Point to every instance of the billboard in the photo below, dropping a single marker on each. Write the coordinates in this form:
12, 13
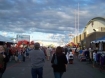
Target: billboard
23, 37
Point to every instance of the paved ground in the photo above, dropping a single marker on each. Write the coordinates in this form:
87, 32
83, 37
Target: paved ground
76, 70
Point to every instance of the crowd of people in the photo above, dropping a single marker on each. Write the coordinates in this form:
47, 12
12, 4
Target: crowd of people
37, 54
59, 57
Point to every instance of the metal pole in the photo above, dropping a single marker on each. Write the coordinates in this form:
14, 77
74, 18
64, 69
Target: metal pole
75, 24
78, 18
95, 35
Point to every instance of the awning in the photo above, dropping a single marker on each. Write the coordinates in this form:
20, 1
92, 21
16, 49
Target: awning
102, 39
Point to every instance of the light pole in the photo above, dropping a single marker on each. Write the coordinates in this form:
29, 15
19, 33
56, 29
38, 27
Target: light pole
95, 33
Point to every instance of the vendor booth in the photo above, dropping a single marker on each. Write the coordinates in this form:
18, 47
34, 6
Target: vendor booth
99, 43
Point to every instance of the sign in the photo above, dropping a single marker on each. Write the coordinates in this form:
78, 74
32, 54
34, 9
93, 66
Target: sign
23, 37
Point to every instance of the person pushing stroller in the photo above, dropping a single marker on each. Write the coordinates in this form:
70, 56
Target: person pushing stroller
71, 57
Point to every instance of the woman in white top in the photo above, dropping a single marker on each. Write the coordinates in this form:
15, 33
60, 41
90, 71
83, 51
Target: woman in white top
94, 58
48, 51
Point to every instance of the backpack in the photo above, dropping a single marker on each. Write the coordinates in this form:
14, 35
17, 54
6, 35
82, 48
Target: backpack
55, 60
1, 61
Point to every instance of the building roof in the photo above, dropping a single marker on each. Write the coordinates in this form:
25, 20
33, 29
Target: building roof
93, 19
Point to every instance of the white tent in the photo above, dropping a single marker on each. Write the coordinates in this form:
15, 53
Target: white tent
5, 39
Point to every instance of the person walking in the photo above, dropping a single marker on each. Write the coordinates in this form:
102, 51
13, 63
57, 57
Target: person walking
3, 60
37, 61
59, 62
94, 57
48, 51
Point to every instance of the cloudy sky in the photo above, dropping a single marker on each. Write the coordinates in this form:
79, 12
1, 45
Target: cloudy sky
47, 19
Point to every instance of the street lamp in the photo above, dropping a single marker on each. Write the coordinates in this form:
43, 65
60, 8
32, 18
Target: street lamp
95, 33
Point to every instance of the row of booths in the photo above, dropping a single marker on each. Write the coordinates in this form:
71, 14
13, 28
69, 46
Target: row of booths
100, 56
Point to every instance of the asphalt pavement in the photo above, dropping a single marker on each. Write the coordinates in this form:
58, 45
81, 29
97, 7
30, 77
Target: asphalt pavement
76, 70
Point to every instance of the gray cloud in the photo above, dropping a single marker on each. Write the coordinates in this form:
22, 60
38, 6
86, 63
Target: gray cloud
47, 16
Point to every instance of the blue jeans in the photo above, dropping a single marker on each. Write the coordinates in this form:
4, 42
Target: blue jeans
58, 74
37, 72
1, 75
